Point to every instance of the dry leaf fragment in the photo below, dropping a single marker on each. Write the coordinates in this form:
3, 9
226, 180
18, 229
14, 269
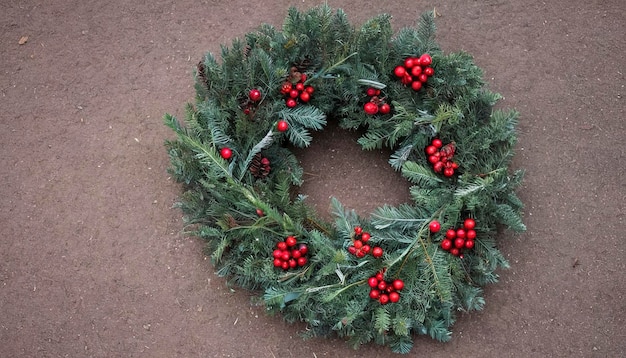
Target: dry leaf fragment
23, 40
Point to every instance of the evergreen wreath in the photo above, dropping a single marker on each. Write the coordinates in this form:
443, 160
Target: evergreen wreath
405, 270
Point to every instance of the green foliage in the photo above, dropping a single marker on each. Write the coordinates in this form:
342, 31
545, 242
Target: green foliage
242, 215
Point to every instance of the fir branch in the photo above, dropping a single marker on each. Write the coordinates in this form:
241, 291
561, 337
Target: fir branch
264, 143
299, 136
404, 217
382, 320
400, 156
509, 217
402, 345
307, 116
420, 175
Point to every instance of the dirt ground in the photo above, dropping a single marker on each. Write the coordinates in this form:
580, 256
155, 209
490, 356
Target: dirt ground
94, 261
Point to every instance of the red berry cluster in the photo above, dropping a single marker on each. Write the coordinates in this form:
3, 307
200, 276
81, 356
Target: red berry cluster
415, 71
294, 88
440, 156
287, 256
360, 248
375, 103
253, 97
460, 239
385, 291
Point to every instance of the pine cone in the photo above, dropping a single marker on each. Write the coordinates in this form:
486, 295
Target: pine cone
448, 149
260, 166
246, 51
202, 74
255, 165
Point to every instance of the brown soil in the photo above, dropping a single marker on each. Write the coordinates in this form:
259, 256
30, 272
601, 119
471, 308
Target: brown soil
94, 262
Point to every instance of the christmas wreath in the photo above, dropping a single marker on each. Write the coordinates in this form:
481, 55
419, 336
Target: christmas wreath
405, 270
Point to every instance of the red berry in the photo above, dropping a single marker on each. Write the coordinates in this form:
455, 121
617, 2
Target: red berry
303, 77
366, 248
431, 149
394, 297
422, 78
377, 252
450, 234
294, 93
434, 226
370, 108
398, 284
254, 95
372, 282
246, 111
360, 253
226, 153
399, 71
469, 223
365, 236
278, 262
426, 60
303, 249
302, 261
352, 250
409, 62
285, 265
416, 71
438, 167
469, 244
470, 234
454, 251
437, 143
282, 126
281, 246
309, 89
300, 86
285, 256
446, 244
384, 299
448, 172
358, 230
459, 243
296, 254
406, 79
460, 233
384, 108
416, 85
374, 294
371, 91
429, 71
379, 276
291, 102
277, 254
291, 241
433, 159
455, 165
260, 212
286, 88
358, 244
305, 96
293, 263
